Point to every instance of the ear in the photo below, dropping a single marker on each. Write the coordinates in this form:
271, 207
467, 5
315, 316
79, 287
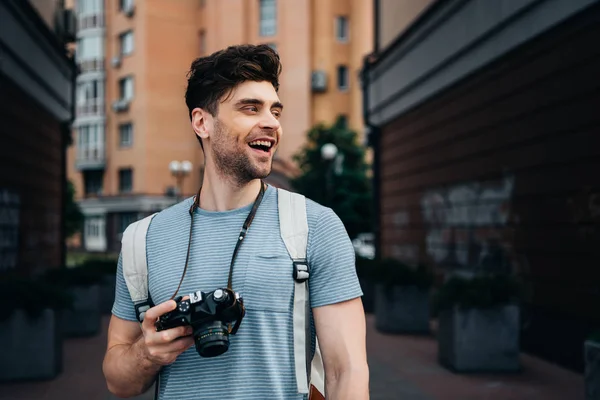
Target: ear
201, 122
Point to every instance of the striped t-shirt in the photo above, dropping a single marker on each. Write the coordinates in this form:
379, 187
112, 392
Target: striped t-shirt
260, 361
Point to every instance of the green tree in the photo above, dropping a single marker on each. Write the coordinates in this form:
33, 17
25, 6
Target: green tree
346, 190
73, 215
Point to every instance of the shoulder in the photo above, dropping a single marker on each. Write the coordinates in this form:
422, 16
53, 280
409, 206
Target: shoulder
170, 218
322, 219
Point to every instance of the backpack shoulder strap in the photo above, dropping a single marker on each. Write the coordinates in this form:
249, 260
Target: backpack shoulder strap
293, 226
135, 267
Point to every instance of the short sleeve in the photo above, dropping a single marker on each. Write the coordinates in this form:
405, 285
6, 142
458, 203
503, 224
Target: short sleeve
123, 305
331, 259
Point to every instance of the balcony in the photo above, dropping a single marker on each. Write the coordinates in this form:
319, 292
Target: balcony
90, 158
91, 108
90, 21
91, 65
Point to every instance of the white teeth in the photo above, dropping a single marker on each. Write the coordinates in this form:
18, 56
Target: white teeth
261, 143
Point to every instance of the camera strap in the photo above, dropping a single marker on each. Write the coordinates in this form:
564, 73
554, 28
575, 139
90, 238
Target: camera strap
241, 236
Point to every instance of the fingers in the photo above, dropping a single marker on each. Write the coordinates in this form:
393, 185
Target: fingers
170, 335
153, 313
167, 353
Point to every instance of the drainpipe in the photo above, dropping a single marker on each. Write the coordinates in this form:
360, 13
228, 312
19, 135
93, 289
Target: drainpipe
374, 143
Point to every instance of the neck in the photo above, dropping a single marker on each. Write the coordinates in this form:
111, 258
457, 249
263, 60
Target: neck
220, 194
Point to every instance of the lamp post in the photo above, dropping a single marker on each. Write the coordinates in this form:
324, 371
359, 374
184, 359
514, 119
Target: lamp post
330, 153
180, 169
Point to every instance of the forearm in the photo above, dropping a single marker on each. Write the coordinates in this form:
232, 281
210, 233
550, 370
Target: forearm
128, 373
350, 384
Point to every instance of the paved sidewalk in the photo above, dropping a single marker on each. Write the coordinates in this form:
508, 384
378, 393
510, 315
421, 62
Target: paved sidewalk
406, 367
402, 368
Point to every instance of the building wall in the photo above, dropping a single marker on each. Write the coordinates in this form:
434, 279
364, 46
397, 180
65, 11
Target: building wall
166, 41
168, 36
395, 16
36, 78
501, 171
47, 10
31, 183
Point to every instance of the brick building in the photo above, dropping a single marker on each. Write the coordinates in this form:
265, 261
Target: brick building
132, 121
484, 119
36, 92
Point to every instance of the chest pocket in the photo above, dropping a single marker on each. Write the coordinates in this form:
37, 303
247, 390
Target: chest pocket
269, 285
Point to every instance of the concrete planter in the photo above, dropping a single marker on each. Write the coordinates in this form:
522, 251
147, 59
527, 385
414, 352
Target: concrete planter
107, 294
402, 309
368, 298
32, 347
475, 340
592, 370
84, 319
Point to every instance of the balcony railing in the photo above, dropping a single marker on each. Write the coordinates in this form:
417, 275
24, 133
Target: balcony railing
91, 65
90, 158
93, 107
90, 21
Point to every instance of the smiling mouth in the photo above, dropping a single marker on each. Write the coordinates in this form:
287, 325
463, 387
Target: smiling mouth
261, 145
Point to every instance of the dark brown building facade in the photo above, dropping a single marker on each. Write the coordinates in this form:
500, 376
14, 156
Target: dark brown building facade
487, 149
35, 112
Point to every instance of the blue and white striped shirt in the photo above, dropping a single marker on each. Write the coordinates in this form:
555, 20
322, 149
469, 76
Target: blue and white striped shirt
260, 361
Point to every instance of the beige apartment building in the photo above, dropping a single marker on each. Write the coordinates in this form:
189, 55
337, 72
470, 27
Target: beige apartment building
131, 118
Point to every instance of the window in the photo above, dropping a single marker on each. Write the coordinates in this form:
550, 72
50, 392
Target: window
92, 181
125, 135
268, 17
125, 180
126, 219
125, 5
342, 121
90, 97
202, 37
126, 88
90, 48
89, 7
94, 227
90, 142
342, 77
341, 29
126, 41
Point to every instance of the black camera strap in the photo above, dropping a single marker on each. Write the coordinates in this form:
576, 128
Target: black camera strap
242, 235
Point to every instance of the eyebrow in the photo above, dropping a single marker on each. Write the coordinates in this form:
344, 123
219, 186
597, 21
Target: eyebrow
258, 102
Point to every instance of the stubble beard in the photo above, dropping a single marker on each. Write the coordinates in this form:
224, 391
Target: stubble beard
231, 162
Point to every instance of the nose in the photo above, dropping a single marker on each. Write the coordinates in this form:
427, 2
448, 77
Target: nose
269, 121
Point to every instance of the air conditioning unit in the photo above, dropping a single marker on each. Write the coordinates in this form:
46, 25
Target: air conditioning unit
129, 9
120, 105
319, 81
116, 62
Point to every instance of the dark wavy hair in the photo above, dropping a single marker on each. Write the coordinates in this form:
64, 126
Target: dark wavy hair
213, 77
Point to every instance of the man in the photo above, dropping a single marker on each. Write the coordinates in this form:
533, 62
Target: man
235, 113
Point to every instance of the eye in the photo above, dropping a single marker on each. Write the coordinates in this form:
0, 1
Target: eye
251, 109
276, 113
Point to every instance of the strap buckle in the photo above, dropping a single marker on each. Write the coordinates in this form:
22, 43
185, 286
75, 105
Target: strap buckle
141, 308
301, 270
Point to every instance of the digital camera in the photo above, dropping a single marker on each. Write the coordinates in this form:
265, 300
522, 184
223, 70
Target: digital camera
210, 314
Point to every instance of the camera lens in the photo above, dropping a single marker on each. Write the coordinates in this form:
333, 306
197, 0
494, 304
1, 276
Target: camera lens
212, 339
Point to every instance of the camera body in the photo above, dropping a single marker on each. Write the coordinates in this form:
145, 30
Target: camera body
210, 314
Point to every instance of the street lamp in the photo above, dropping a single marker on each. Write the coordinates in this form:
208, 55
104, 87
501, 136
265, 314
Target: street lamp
330, 153
180, 169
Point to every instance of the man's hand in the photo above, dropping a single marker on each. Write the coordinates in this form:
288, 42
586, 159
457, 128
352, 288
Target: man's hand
135, 353
163, 348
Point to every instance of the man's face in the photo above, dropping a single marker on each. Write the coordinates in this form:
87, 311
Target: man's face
246, 132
